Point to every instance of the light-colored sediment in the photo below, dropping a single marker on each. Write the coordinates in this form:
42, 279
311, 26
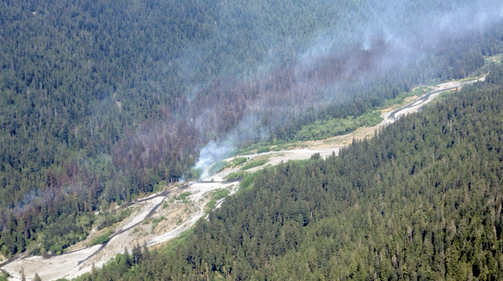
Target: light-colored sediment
174, 217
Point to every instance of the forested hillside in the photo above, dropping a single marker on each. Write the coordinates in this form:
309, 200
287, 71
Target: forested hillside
422, 199
104, 100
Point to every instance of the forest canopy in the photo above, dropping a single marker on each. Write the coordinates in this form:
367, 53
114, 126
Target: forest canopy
420, 200
104, 100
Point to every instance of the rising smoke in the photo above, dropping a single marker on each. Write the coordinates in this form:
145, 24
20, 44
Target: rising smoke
392, 34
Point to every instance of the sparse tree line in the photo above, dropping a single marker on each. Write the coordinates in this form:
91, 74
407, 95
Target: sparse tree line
420, 200
103, 100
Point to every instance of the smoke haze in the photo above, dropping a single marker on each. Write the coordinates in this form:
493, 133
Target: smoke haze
375, 39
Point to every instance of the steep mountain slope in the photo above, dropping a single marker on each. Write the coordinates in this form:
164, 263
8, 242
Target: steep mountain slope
422, 199
103, 100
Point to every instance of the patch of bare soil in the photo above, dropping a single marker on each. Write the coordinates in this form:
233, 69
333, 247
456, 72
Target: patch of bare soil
159, 218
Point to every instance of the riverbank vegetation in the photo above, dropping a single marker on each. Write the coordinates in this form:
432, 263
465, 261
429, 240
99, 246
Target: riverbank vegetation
422, 199
104, 100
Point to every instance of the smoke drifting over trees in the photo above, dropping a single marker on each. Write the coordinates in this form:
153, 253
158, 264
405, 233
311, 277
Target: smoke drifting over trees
394, 44
421, 200
104, 99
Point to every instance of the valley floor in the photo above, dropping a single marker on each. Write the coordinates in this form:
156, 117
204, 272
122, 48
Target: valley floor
163, 216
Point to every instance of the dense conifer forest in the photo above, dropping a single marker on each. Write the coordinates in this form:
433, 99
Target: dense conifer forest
103, 101
420, 200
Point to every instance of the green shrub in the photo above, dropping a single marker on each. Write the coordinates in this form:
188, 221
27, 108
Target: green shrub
103, 238
263, 149
210, 205
183, 196
4, 276
255, 163
247, 180
236, 175
215, 196
195, 173
329, 128
56, 249
108, 219
220, 193
238, 161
